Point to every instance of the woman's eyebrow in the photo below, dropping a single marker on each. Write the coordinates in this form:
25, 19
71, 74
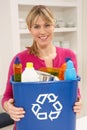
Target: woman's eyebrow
36, 24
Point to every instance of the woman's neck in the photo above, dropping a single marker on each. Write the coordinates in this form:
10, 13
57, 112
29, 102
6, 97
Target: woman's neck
48, 54
49, 51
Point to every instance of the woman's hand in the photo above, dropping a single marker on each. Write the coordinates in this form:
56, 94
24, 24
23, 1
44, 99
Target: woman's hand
16, 113
78, 105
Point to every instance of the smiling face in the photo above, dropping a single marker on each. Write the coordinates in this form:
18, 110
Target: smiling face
40, 22
42, 32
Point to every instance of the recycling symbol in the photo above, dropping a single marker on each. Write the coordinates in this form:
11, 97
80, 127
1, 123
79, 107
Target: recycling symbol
52, 115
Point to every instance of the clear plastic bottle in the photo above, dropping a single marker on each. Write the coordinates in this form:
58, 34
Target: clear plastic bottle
29, 74
70, 72
17, 70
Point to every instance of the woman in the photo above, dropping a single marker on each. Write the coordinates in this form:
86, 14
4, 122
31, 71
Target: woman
42, 53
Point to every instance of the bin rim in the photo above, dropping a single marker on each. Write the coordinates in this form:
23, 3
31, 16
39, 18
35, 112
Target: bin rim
44, 82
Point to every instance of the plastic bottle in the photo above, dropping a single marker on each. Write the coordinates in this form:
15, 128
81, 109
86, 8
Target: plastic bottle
52, 71
29, 74
62, 71
70, 72
17, 70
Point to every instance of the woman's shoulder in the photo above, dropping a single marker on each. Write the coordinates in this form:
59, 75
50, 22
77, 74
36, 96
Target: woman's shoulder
24, 52
21, 55
62, 50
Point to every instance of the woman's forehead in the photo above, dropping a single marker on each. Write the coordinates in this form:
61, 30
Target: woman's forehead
39, 19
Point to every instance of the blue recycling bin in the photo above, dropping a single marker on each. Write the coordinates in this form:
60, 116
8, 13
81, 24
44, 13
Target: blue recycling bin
48, 105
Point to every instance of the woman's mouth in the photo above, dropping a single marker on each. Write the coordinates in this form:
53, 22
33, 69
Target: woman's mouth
43, 38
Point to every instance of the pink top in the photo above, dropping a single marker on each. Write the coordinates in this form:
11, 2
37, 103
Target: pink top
24, 56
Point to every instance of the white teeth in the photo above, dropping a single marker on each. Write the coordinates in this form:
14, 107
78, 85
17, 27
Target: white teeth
43, 38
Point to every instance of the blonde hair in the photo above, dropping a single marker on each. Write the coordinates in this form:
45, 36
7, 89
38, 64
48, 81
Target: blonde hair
35, 12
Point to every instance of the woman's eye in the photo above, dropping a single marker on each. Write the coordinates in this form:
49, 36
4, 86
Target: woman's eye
47, 25
36, 26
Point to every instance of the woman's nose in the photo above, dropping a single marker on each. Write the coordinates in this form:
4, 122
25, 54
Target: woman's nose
42, 30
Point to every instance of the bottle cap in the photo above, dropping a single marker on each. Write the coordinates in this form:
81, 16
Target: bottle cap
67, 59
29, 64
17, 60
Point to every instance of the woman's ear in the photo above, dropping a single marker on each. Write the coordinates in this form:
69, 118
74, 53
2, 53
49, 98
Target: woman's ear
54, 25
